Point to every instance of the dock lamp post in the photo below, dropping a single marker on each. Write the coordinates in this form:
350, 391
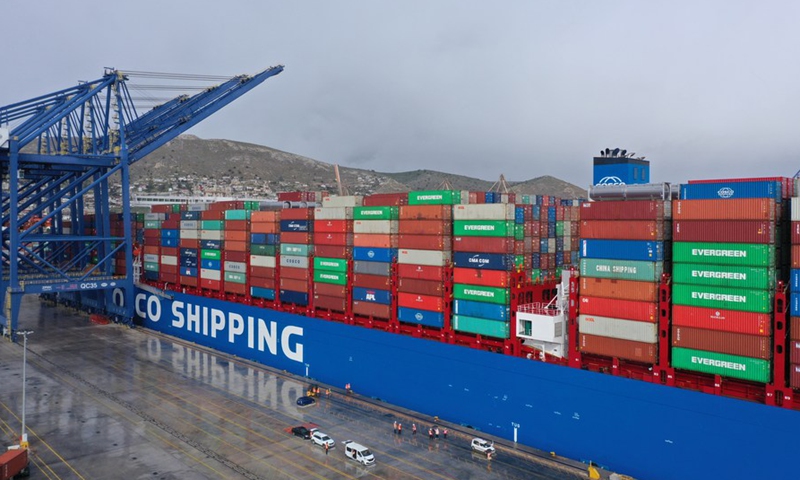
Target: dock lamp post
24, 438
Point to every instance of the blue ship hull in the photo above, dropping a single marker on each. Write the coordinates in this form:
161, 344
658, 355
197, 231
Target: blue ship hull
629, 426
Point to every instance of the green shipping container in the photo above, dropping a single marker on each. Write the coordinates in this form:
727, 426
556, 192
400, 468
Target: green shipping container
152, 224
210, 254
375, 213
267, 250
560, 229
434, 197
151, 266
519, 231
252, 205
536, 275
330, 264
237, 214
483, 228
324, 276
519, 261
212, 224
622, 269
724, 298
481, 294
481, 326
759, 278
297, 249
734, 366
235, 277
176, 208
743, 254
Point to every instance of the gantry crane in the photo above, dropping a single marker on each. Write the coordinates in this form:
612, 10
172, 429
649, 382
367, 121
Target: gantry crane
57, 148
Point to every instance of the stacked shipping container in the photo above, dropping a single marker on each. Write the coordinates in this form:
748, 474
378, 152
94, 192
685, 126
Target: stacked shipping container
189, 248
264, 241
794, 281
296, 250
333, 248
376, 231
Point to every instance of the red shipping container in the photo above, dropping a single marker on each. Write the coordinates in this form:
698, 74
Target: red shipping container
730, 231
330, 290
171, 224
262, 282
241, 225
295, 274
337, 239
614, 347
294, 285
236, 235
171, 251
161, 208
426, 212
424, 242
333, 226
237, 246
624, 210
152, 250
212, 215
385, 199
794, 376
374, 240
424, 227
333, 251
265, 227
370, 309
235, 256
422, 272
290, 196
794, 352
189, 243
730, 209
297, 214
168, 277
270, 216
794, 328
624, 230
330, 303
188, 281
421, 287
263, 272
559, 213
303, 238
753, 346
152, 233
237, 288
167, 269
619, 289
422, 302
477, 276
483, 244
722, 320
616, 308
795, 233
375, 282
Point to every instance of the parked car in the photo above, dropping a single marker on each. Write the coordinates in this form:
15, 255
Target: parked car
483, 446
306, 401
301, 432
321, 439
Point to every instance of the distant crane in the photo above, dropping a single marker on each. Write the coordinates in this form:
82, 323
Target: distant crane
57, 148
342, 187
500, 185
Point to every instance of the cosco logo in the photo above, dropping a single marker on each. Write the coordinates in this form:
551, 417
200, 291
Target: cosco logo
418, 316
725, 192
611, 181
371, 253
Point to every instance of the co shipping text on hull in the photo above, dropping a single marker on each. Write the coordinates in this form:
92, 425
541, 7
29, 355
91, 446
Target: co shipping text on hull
638, 428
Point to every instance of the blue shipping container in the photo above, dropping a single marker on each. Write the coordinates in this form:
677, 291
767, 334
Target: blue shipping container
519, 215
795, 301
190, 215
489, 197
370, 254
536, 260
189, 252
170, 233
543, 245
186, 271
705, 191
794, 280
211, 264
295, 225
420, 317
492, 311
488, 261
638, 250
149, 275
170, 242
211, 244
297, 298
362, 294
268, 293
258, 238
189, 262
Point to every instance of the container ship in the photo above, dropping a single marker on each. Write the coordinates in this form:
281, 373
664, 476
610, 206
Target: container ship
652, 329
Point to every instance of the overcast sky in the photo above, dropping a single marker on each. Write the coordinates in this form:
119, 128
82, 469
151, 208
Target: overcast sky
703, 89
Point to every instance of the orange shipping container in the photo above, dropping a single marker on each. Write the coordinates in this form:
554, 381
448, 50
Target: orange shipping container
794, 329
624, 230
484, 244
295, 274
620, 289
262, 282
422, 287
188, 281
236, 235
293, 284
424, 227
210, 284
262, 272
376, 282
190, 243
723, 320
424, 242
371, 309
236, 246
303, 238
753, 346
237, 288
333, 251
269, 216
236, 225
615, 308
152, 250
795, 256
478, 276
730, 209
333, 226
330, 290
374, 240
326, 302
337, 239
265, 227
426, 212
613, 347
423, 272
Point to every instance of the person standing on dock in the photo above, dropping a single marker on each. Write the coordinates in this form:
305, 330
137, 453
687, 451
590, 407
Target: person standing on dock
413, 429
399, 428
445, 434
394, 430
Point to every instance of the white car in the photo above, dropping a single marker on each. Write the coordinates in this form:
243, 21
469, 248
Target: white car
321, 439
483, 446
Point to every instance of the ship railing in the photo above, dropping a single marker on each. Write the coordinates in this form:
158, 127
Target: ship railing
538, 308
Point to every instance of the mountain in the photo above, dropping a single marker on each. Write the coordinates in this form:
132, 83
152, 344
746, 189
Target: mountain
190, 165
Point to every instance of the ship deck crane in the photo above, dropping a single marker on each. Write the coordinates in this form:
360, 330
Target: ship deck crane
57, 154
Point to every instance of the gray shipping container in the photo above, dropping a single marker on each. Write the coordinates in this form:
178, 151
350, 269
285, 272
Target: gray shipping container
237, 267
294, 261
618, 328
372, 268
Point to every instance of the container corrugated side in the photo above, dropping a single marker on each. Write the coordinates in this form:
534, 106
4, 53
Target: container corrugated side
491, 311
618, 328
626, 210
372, 268
732, 190
434, 197
294, 261
616, 308
614, 347
728, 231
744, 254
622, 269
485, 211
620, 289
742, 344
481, 326
726, 365
375, 213
758, 278
483, 228
385, 227
480, 293
638, 250
795, 208
423, 257
722, 320
625, 230
420, 317
325, 276
296, 249
333, 213
342, 201
733, 209
746, 300
422, 287
330, 264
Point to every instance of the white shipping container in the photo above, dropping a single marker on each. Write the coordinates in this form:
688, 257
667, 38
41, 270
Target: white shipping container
618, 328
189, 225
796, 208
385, 227
343, 201
262, 261
195, 234
551, 245
209, 274
434, 258
169, 260
155, 216
464, 199
149, 257
211, 234
333, 213
294, 261
237, 267
198, 207
484, 211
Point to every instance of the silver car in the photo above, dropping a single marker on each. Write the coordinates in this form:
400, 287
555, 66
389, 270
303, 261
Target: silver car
322, 439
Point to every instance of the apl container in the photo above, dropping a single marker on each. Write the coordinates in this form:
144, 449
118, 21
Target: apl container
726, 365
744, 254
372, 295
637, 250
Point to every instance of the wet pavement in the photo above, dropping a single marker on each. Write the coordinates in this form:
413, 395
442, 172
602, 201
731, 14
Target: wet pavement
106, 401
